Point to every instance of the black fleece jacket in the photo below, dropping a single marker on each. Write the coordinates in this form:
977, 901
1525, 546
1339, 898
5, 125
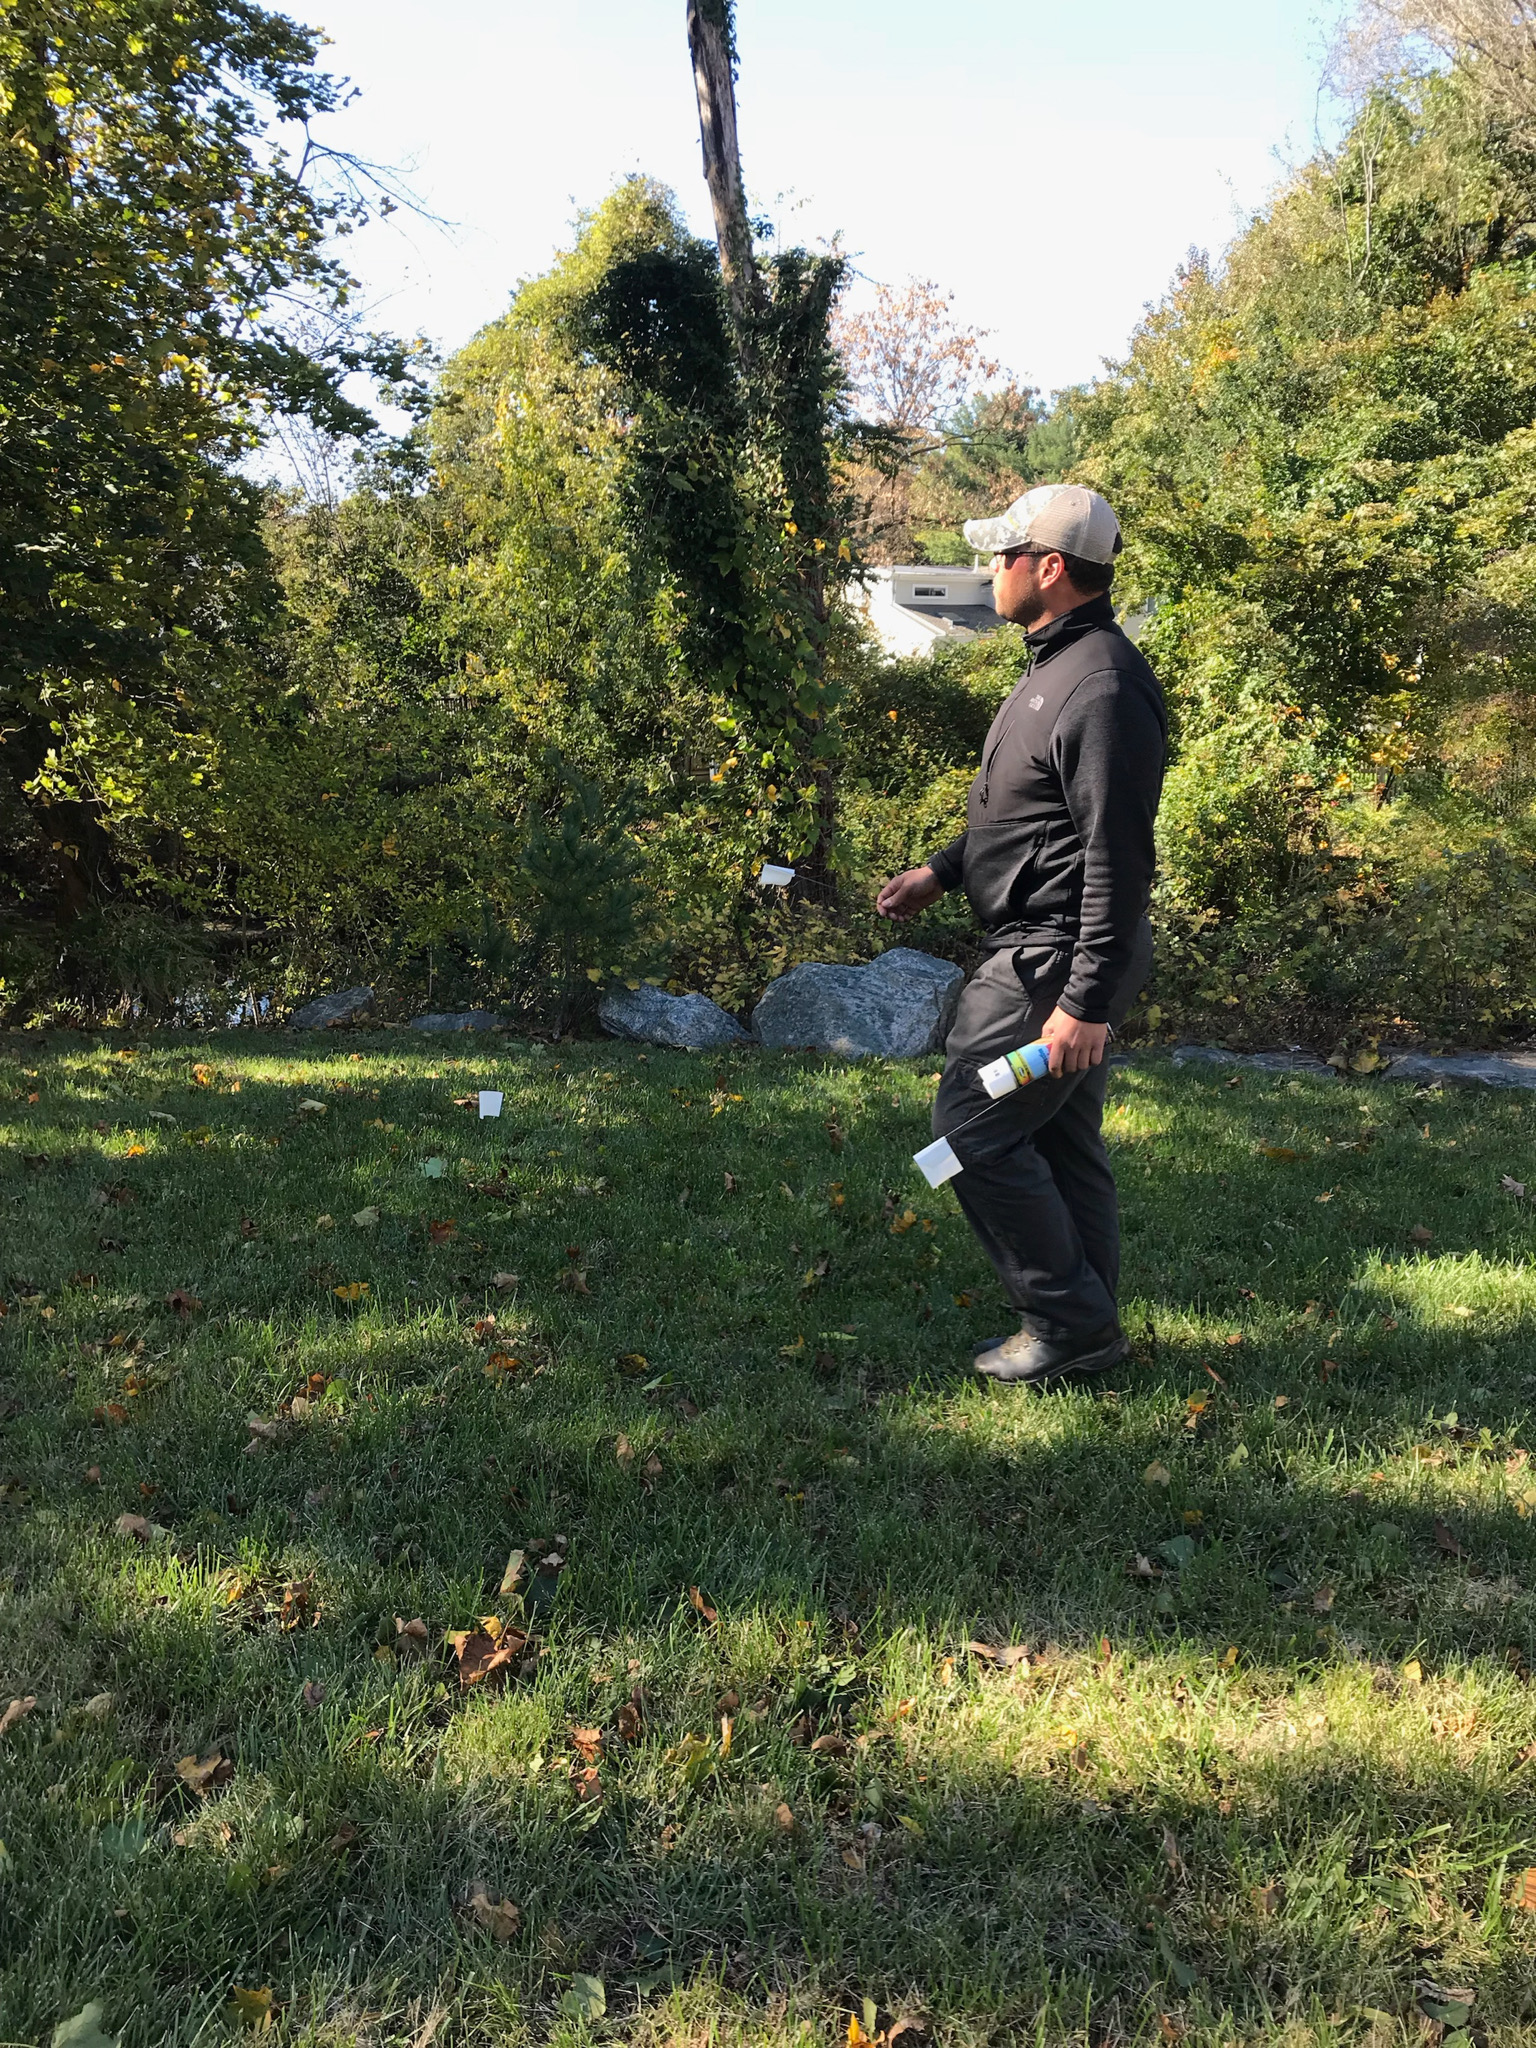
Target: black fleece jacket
1058, 839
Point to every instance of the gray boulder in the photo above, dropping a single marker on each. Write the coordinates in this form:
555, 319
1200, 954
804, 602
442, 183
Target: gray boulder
651, 1017
896, 1008
457, 1020
1493, 1070
1294, 1061
328, 1011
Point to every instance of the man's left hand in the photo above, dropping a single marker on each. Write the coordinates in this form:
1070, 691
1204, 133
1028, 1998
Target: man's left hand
1075, 1046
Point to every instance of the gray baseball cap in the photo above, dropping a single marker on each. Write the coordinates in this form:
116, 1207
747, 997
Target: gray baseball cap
1064, 516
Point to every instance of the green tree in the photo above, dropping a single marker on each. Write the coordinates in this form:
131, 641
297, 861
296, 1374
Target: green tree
151, 234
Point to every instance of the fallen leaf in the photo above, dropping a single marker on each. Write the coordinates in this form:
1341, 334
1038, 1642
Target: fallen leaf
346, 1834
136, 1152
573, 1281
133, 1525
709, 1613
1278, 1152
350, 1290
365, 1219
503, 1281
1413, 1672
1445, 1541
853, 1859
1525, 1891
588, 1743
1156, 1474
18, 1710
629, 1721
731, 1183
84, 2030
251, 2008
624, 1451
485, 1659
92, 1475
501, 1920
1266, 1899
501, 1364
200, 1776
783, 1813
1322, 1600
587, 1998
1142, 1567
511, 1575
99, 1706
313, 1694
411, 1637
1004, 1658
309, 1107
1512, 1187
1282, 1401
1171, 1856
1419, 1235
443, 1232
434, 1169
650, 1472
181, 1301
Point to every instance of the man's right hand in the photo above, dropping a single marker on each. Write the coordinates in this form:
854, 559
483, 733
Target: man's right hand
905, 895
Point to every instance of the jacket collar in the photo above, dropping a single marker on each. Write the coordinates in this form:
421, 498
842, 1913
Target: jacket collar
1069, 626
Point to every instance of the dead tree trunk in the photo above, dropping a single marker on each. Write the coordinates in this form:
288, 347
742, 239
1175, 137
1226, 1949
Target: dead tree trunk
709, 45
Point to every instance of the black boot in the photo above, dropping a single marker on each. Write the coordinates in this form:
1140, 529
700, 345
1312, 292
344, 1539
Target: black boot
1030, 1360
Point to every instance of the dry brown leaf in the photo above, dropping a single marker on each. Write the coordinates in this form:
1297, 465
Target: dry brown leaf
18, 1710
1445, 1541
1512, 1187
1419, 1235
411, 1637
650, 1472
442, 1232
630, 1722
133, 1525
483, 1658
1005, 1658
1156, 1474
346, 1834
624, 1451
587, 1784
1322, 1600
574, 1280
588, 1743
709, 1613
853, 1859
499, 1917
1266, 1899
314, 1694
783, 1813
503, 1282
829, 1745
1142, 1567
201, 1776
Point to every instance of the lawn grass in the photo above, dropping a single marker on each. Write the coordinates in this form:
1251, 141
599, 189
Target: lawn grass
1258, 1777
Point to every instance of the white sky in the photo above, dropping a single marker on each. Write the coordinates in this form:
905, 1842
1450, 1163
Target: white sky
1049, 162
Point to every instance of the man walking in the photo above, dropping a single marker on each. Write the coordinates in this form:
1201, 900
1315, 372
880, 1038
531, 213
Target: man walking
1057, 860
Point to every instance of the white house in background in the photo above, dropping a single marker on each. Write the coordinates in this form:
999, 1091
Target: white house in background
909, 609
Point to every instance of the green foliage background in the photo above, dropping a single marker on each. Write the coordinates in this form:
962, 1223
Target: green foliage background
595, 601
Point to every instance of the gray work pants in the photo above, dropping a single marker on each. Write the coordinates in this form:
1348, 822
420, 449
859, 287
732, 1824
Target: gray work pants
1036, 1186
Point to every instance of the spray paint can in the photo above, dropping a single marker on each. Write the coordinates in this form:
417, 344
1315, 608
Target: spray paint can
1016, 1069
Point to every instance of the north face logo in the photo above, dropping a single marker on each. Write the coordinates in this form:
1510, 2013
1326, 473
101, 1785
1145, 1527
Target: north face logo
1035, 703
